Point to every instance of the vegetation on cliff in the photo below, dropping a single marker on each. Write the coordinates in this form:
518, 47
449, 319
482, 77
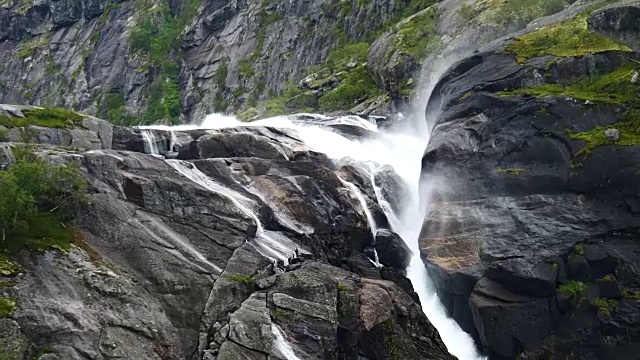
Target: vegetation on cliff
36, 200
55, 118
568, 38
518, 12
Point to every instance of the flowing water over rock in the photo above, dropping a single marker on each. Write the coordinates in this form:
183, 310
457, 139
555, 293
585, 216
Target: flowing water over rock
373, 151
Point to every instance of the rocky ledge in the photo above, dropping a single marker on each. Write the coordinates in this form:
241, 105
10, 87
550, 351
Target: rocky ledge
534, 162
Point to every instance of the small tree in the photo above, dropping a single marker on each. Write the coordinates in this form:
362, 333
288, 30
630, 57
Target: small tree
36, 198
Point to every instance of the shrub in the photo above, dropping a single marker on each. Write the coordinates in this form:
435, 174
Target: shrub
36, 199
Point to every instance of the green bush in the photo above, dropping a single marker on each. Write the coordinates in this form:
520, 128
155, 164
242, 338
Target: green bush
36, 199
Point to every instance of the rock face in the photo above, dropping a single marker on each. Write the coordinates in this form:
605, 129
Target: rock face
186, 259
96, 56
525, 229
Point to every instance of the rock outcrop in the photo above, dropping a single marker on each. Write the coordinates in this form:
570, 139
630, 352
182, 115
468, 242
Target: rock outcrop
242, 251
532, 201
154, 60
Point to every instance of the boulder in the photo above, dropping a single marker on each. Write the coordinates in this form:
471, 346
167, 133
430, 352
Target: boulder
392, 250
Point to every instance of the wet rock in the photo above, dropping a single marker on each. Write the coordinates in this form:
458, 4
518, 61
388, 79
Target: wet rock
501, 178
609, 287
250, 326
392, 250
508, 323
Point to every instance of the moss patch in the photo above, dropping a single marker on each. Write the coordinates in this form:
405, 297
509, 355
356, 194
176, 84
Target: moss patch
7, 267
604, 306
55, 118
614, 87
7, 306
573, 287
245, 279
511, 171
568, 38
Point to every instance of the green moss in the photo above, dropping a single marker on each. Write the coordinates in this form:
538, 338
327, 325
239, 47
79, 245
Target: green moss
568, 38
245, 279
342, 287
604, 306
613, 87
7, 306
56, 118
511, 171
629, 130
7, 267
573, 287
578, 249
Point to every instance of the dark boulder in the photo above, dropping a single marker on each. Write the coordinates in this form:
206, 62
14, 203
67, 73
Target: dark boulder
392, 251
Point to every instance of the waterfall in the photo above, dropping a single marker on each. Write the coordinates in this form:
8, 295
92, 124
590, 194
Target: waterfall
150, 144
372, 222
281, 344
401, 148
264, 242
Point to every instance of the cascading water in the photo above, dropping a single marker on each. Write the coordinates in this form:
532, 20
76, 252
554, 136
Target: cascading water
401, 148
372, 222
274, 249
282, 345
150, 144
